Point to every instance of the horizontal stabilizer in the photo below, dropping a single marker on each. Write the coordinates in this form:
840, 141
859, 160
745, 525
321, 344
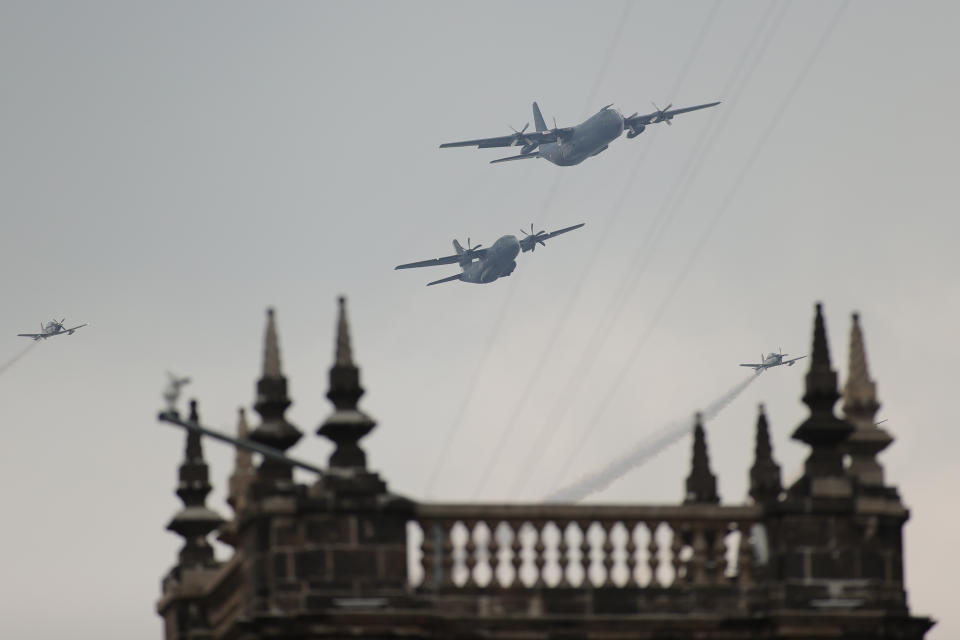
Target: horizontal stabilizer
522, 156
450, 279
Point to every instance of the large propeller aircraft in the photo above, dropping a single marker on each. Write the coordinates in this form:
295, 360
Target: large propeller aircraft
480, 265
567, 146
53, 328
772, 360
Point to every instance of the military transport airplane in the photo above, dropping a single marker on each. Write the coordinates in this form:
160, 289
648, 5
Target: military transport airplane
772, 360
52, 328
567, 146
486, 265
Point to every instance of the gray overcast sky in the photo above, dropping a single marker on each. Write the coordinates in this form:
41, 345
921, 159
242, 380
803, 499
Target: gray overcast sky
168, 170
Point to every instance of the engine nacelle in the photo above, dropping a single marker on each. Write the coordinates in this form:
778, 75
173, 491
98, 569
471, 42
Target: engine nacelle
635, 131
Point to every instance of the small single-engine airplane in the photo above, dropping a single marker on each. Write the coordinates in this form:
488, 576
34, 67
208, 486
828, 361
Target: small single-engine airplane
486, 265
772, 360
52, 328
567, 146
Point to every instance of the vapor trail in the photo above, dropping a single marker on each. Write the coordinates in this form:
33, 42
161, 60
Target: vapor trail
644, 450
762, 36
472, 387
785, 103
12, 361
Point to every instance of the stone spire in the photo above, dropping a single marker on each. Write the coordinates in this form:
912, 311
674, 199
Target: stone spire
344, 354
194, 521
271, 403
860, 408
822, 431
243, 469
347, 425
701, 483
765, 484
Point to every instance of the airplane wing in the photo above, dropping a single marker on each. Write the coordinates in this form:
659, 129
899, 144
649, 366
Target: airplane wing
659, 116
459, 276
531, 240
755, 366
792, 360
559, 231
72, 329
531, 138
473, 253
32, 335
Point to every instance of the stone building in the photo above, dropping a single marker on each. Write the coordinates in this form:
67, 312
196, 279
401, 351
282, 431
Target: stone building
345, 557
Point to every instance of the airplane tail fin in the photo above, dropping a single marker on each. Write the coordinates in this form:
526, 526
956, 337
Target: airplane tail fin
538, 118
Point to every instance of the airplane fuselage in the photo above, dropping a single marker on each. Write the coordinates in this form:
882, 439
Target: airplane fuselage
499, 261
589, 138
773, 360
479, 265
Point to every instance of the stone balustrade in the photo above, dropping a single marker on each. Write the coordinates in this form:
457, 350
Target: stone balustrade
561, 546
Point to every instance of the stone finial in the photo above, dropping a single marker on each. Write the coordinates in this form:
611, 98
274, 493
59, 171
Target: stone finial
860, 393
271, 403
701, 483
821, 378
271, 349
822, 431
243, 469
860, 407
194, 521
345, 390
765, 484
343, 356
347, 425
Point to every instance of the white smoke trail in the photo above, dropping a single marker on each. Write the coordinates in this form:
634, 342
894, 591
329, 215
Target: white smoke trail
12, 361
644, 450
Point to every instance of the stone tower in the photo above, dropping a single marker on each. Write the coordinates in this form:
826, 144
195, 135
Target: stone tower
829, 550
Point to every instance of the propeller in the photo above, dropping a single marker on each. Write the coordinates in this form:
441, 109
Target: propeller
530, 240
519, 138
559, 140
660, 112
471, 248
